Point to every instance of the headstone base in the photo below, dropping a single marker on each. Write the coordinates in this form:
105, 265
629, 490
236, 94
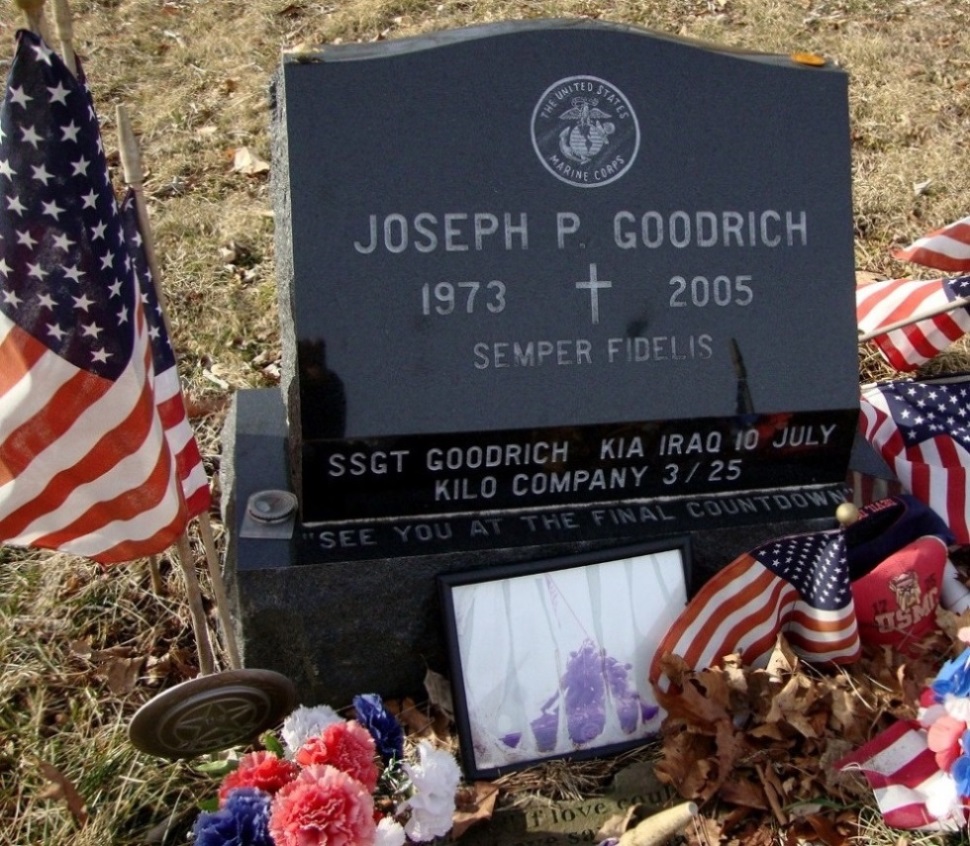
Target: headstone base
358, 622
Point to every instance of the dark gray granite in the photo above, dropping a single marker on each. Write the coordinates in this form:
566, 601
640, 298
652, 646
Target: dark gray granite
546, 288
342, 627
555, 262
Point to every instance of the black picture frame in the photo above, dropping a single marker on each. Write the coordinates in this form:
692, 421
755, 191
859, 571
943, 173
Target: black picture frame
549, 659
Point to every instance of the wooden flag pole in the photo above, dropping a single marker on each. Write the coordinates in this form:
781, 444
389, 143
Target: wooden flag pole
34, 11
158, 586
199, 624
64, 28
131, 164
134, 179
915, 318
219, 589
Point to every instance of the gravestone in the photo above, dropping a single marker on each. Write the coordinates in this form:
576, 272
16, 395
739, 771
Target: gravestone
545, 287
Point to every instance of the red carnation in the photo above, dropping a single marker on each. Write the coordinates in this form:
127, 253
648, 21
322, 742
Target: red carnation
348, 746
323, 807
262, 770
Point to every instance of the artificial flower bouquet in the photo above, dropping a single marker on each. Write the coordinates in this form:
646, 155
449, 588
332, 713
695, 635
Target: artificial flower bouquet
919, 769
334, 782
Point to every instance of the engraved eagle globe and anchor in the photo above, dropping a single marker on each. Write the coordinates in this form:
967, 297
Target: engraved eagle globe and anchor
585, 131
587, 134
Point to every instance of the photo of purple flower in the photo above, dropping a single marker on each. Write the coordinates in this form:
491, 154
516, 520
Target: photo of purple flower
554, 661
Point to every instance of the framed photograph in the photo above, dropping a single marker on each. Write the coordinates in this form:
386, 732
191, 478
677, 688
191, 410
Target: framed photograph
549, 659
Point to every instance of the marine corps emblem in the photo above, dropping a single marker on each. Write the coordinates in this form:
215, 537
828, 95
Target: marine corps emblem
585, 132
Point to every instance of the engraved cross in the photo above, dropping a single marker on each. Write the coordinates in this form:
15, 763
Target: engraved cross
593, 285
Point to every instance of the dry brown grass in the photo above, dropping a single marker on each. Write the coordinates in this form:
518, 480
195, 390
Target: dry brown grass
195, 77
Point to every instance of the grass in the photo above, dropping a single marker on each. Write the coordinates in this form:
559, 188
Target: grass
195, 76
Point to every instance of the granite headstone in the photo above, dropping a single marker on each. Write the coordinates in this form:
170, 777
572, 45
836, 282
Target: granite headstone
545, 286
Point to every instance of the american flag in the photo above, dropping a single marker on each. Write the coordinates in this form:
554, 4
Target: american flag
945, 249
796, 585
887, 302
906, 780
922, 431
85, 466
167, 388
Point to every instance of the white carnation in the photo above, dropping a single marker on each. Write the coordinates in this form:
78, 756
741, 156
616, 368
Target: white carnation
304, 723
435, 779
389, 833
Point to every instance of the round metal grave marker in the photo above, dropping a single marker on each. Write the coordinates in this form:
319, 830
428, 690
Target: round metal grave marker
211, 713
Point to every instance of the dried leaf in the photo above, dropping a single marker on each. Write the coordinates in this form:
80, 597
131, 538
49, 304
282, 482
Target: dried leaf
62, 788
439, 693
245, 161
705, 831
743, 792
474, 805
121, 674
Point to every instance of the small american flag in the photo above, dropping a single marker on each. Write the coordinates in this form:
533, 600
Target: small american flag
85, 466
885, 303
168, 388
797, 585
922, 431
945, 249
906, 780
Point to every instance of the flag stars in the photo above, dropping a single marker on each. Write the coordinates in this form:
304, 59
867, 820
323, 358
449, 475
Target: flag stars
45, 301
97, 232
123, 315
70, 132
114, 289
24, 237
4, 267
90, 200
55, 332
106, 261
19, 96
82, 302
100, 356
42, 52
30, 136
58, 94
36, 271
80, 167
62, 242
74, 273
11, 298
41, 174
14, 205
91, 330
6, 169
51, 208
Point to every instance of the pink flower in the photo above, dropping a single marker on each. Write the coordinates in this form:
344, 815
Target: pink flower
348, 746
323, 807
262, 770
943, 739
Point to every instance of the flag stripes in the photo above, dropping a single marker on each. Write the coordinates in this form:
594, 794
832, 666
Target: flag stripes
945, 249
890, 301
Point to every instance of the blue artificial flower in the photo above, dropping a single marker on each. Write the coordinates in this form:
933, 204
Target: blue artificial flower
383, 727
961, 774
953, 678
242, 821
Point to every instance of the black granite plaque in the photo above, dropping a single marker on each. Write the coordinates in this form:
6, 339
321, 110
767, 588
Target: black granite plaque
540, 264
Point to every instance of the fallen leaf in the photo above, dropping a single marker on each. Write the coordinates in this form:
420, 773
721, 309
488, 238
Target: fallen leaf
245, 161
921, 188
474, 805
62, 788
439, 693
